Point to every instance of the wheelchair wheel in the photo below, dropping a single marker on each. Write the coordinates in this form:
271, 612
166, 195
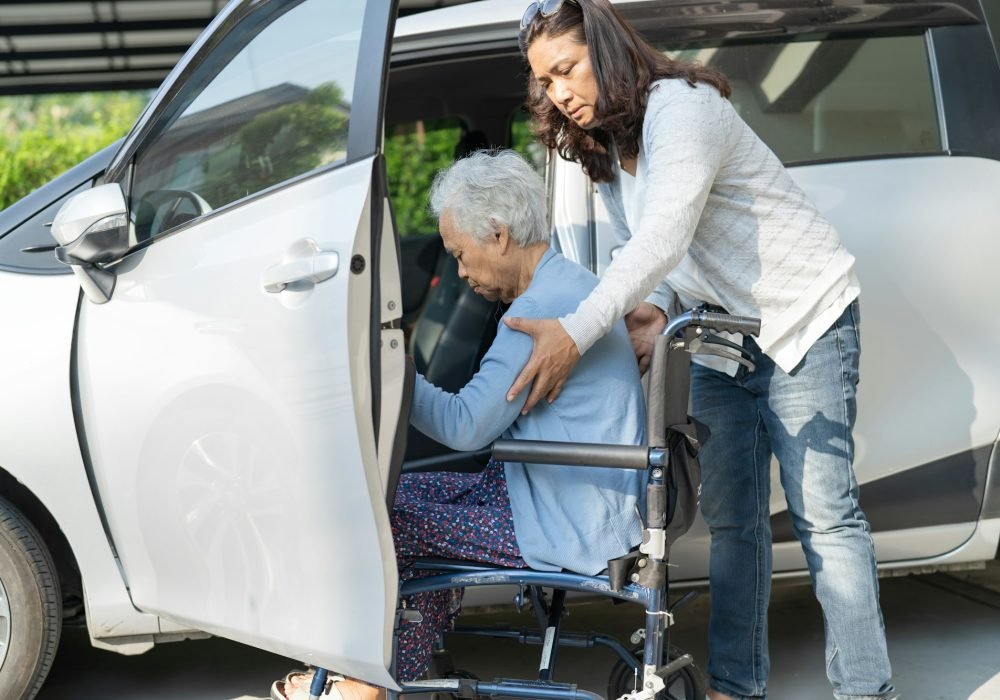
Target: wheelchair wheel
689, 683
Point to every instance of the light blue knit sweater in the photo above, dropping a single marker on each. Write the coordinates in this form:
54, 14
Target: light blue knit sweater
564, 517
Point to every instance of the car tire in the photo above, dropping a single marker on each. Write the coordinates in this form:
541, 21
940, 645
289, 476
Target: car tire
30, 607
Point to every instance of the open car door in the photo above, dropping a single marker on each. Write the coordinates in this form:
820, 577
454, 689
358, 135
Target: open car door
227, 359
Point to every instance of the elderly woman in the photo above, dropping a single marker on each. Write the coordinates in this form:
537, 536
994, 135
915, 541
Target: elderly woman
491, 213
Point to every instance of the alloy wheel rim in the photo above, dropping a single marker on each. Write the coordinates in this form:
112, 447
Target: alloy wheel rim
4, 623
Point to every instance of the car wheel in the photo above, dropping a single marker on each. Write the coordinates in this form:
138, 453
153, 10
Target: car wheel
30, 607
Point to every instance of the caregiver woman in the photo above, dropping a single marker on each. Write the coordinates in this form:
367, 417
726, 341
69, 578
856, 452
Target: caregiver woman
712, 217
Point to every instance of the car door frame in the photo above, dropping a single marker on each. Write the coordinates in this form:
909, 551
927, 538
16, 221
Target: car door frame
363, 142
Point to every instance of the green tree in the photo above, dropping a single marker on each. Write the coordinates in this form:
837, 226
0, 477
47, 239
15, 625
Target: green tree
43, 136
525, 143
414, 153
279, 144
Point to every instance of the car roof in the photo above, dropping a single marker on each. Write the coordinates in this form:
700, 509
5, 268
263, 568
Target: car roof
490, 23
471, 14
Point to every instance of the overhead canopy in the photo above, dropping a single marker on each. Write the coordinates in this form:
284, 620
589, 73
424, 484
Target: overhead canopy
49, 46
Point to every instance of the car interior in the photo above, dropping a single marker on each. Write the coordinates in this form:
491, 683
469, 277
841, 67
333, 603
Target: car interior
448, 328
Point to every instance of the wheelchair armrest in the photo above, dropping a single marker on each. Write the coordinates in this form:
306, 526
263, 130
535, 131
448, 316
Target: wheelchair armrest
574, 454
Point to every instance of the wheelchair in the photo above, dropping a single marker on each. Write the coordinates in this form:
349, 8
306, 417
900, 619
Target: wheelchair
655, 671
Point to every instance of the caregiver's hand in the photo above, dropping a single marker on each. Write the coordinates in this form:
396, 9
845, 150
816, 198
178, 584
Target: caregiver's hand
552, 358
644, 323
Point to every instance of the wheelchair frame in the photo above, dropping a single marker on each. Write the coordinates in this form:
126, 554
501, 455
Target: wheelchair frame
637, 578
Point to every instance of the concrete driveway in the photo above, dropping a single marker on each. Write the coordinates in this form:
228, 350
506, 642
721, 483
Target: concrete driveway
944, 641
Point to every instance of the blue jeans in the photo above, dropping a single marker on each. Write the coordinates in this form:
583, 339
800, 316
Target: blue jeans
805, 418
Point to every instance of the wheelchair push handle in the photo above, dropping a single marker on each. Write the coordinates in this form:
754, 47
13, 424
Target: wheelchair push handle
731, 324
713, 321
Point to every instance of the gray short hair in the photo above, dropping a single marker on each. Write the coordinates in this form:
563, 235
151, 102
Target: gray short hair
488, 189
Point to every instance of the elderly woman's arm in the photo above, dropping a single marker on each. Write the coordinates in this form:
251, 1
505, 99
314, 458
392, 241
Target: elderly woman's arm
480, 412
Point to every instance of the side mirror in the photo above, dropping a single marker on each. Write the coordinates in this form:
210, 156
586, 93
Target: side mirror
92, 231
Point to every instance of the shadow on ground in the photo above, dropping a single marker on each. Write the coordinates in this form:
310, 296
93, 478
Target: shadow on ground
944, 637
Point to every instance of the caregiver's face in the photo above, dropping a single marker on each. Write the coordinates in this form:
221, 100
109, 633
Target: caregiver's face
561, 65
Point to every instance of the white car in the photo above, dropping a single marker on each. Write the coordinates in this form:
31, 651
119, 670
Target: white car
201, 421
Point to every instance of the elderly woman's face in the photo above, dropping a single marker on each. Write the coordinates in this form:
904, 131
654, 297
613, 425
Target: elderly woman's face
561, 65
485, 265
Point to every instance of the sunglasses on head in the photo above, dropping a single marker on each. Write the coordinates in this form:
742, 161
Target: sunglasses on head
546, 8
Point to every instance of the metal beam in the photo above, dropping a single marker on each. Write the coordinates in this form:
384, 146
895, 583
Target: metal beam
98, 27
33, 3
163, 68
172, 50
87, 86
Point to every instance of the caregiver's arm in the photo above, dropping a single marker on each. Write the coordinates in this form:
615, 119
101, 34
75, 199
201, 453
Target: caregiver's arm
687, 135
479, 413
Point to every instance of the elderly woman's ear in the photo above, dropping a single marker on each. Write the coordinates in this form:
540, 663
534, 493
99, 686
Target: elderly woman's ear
503, 239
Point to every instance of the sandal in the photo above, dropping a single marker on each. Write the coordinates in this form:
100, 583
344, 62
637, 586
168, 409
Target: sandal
301, 689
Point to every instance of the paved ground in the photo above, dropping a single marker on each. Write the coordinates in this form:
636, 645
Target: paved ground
944, 640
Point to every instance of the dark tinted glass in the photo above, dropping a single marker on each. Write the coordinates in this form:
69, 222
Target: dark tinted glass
833, 98
992, 10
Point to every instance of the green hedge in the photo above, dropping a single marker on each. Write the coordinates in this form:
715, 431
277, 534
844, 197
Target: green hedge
44, 136
415, 152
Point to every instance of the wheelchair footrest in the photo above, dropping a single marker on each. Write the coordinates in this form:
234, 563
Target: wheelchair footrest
501, 687
675, 666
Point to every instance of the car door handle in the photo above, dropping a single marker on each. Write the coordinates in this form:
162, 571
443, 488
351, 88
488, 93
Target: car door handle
314, 267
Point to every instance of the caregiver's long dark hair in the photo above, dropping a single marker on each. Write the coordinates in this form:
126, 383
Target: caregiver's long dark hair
624, 65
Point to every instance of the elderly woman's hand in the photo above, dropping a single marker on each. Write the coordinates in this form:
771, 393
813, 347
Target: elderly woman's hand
552, 358
644, 323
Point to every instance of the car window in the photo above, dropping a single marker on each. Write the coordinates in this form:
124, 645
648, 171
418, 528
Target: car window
992, 10
414, 153
270, 103
833, 98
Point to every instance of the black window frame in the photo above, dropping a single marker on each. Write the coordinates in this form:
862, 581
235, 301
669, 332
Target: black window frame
969, 81
991, 15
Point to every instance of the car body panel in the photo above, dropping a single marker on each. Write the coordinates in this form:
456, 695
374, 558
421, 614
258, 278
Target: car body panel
221, 427
38, 439
913, 241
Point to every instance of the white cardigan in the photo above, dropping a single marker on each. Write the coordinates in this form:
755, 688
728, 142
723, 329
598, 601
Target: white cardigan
716, 192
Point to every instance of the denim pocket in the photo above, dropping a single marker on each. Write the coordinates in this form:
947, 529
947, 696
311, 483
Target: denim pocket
854, 313
849, 342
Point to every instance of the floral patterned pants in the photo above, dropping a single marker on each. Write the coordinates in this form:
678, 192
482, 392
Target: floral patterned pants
452, 516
